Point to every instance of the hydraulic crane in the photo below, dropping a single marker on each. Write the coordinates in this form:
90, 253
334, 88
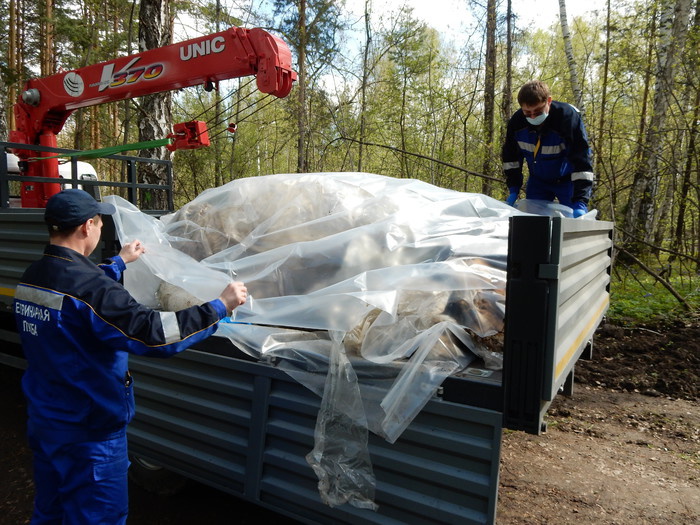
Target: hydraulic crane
46, 103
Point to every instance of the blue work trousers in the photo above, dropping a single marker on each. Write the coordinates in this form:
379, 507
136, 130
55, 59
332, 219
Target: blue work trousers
81, 483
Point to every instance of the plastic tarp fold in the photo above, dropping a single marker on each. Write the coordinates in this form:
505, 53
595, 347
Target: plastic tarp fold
369, 290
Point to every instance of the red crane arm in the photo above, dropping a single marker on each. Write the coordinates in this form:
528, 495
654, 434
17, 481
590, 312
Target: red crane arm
47, 102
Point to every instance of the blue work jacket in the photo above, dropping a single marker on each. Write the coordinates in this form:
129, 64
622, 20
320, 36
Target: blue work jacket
556, 151
77, 325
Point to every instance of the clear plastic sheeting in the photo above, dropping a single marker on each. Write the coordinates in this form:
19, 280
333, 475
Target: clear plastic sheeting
368, 290
552, 209
340, 457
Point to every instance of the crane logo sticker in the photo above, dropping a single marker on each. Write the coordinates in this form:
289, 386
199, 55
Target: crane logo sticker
73, 84
130, 74
205, 47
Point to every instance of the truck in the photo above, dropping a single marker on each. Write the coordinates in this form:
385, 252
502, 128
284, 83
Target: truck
242, 425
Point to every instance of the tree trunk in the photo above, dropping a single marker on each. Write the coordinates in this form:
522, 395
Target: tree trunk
302, 162
598, 142
688, 172
635, 196
571, 60
3, 110
508, 89
673, 27
365, 79
47, 52
489, 95
126, 125
155, 115
12, 57
217, 145
403, 160
691, 154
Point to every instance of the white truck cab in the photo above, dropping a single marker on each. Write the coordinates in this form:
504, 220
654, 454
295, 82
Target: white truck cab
85, 172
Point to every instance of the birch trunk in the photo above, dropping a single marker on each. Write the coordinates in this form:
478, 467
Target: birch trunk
673, 27
489, 95
155, 111
365, 80
570, 59
302, 162
691, 155
598, 143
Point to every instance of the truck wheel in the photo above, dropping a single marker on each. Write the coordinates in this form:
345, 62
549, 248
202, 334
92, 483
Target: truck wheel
154, 478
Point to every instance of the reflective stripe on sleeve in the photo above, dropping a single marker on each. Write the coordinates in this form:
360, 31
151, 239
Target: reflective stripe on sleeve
511, 165
171, 328
582, 175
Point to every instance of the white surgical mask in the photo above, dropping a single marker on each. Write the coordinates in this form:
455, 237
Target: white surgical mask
539, 119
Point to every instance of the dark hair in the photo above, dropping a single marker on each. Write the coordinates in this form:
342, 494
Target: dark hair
533, 93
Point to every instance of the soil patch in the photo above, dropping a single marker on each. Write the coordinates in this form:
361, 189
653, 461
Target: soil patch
625, 448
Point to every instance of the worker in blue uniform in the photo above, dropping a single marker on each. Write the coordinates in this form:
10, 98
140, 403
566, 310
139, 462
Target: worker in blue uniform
551, 138
77, 325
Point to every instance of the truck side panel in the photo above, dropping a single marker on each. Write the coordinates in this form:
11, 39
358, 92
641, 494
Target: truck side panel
246, 428
556, 295
23, 236
583, 254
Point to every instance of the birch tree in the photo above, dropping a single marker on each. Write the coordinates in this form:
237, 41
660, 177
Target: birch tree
603, 100
641, 218
571, 59
488, 167
309, 27
685, 201
364, 82
154, 111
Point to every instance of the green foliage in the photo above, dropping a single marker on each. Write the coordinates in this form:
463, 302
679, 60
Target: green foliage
207, 13
323, 22
638, 298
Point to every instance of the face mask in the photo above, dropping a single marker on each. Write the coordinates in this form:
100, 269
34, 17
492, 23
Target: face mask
539, 119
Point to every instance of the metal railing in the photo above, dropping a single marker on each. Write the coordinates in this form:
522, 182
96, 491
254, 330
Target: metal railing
131, 186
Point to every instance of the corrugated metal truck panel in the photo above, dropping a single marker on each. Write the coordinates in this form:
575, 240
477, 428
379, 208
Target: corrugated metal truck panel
556, 295
581, 297
248, 430
23, 236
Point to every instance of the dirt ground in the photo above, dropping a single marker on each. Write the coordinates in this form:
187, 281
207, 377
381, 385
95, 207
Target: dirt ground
625, 449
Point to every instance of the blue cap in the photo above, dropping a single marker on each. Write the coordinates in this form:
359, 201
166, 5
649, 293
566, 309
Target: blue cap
71, 208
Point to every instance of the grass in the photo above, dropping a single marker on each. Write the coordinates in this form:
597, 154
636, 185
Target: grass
640, 299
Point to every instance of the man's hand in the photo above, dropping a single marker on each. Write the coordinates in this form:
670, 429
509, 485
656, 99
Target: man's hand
132, 251
513, 195
234, 295
579, 208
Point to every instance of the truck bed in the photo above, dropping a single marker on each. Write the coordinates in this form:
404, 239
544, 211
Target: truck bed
215, 415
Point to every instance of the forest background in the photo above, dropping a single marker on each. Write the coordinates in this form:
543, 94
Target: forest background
381, 91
